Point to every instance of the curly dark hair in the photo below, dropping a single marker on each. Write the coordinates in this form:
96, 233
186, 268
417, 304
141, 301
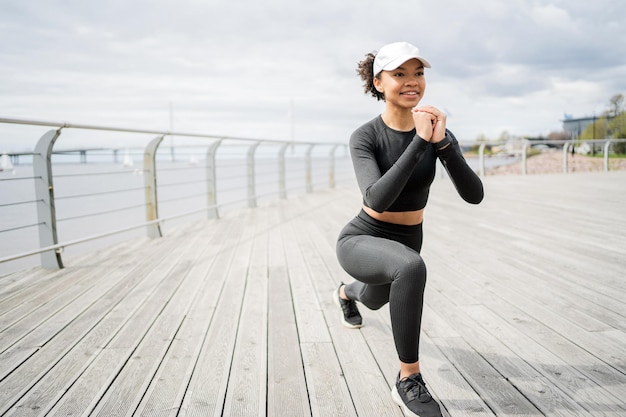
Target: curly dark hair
365, 70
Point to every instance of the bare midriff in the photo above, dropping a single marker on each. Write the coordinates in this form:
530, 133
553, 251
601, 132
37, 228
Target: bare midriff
407, 218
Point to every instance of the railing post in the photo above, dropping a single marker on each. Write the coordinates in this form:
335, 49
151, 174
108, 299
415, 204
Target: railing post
565, 152
308, 169
282, 179
606, 155
211, 180
481, 159
331, 168
524, 157
44, 191
150, 181
251, 175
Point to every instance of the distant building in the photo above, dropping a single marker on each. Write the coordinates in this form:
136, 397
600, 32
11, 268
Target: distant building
574, 127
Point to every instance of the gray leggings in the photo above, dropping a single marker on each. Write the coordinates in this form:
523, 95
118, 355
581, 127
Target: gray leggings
384, 258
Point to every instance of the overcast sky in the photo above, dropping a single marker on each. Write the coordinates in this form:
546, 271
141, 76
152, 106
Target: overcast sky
256, 68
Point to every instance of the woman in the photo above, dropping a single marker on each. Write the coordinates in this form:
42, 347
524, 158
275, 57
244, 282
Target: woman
394, 158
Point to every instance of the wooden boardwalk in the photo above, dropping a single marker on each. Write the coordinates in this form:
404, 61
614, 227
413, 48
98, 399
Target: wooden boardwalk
525, 313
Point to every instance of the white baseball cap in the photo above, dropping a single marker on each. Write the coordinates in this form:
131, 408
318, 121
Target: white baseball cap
392, 55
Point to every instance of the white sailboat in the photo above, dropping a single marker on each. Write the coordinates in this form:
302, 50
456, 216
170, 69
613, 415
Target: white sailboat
128, 161
5, 163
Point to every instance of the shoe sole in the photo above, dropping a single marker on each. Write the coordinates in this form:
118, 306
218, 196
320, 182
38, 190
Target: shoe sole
396, 399
343, 321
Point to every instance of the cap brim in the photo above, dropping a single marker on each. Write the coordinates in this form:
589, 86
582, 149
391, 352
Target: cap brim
402, 59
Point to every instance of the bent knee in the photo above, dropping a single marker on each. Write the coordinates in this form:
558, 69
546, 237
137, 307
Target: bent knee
413, 267
375, 305
374, 300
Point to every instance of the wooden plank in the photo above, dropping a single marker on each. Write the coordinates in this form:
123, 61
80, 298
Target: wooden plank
208, 386
512, 281
33, 303
447, 384
32, 280
531, 321
312, 327
571, 392
509, 284
517, 371
168, 388
12, 286
116, 336
248, 376
286, 386
136, 377
504, 270
457, 340
43, 356
595, 369
74, 289
328, 392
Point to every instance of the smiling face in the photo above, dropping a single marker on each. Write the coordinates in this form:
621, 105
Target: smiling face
404, 86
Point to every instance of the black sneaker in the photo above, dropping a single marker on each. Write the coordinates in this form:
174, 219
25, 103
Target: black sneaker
351, 316
411, 394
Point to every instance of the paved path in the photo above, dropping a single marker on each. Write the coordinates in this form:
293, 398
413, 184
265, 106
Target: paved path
524, 316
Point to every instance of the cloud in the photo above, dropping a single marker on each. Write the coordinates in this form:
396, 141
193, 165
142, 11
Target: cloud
235, 67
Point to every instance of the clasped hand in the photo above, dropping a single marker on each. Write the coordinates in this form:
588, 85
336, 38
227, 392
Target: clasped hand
430, 123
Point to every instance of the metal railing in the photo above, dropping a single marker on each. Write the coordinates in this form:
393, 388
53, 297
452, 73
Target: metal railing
236, 171
65, 208
567, 147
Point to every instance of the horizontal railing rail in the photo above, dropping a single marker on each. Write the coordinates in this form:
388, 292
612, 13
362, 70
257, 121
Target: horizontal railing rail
222, 171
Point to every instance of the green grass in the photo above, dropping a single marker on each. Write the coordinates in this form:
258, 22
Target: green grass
611, 155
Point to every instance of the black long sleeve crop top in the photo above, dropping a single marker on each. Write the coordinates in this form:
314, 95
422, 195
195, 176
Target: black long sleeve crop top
395, 169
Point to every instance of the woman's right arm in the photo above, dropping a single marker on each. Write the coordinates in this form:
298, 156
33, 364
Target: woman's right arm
381, 190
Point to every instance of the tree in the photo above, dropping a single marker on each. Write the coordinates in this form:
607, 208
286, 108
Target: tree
617, 127
479, 140
596, 130
560, 135
610, 124
482, 138
616, 105
504, 136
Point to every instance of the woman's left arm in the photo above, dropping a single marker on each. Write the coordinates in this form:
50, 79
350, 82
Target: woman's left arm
467, 183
